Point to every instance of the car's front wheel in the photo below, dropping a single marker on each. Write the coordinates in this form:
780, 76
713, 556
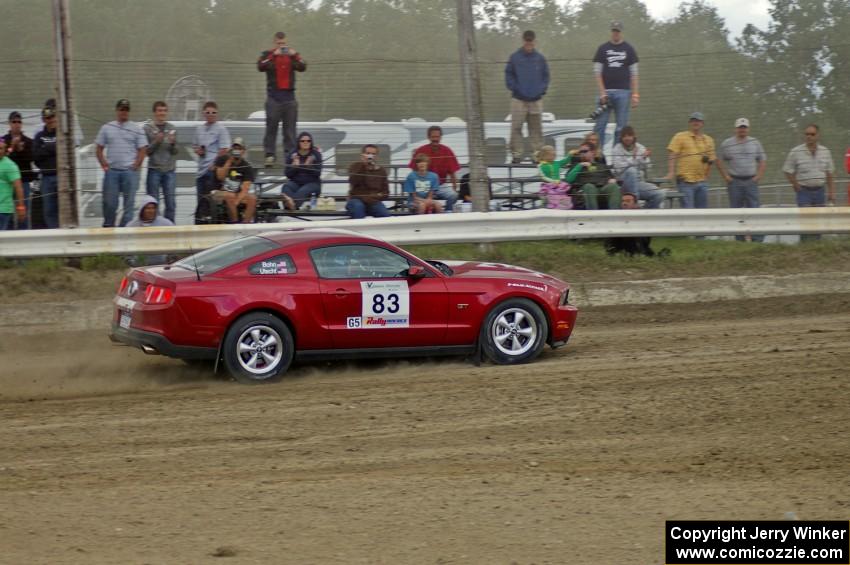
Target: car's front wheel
514, 332
258, 348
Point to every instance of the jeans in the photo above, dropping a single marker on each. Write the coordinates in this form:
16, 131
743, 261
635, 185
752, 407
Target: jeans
119, 184
592, 192
448, 194
203, 183
811, 198
5, 220
744, 193
359, 209
648, 192
168, 182
25, 223
301, 194
620, 101
50, 201
286, 112
694, 194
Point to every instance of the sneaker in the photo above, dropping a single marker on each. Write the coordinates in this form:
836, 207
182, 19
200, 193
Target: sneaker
269, 161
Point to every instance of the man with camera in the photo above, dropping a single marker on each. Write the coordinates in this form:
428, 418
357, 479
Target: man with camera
368, 186
234, 177
162, 158
280, 64
593, 178
616, 68
527, 78
212, 140
690, 156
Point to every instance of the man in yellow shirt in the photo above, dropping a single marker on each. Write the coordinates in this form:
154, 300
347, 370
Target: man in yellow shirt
691, 154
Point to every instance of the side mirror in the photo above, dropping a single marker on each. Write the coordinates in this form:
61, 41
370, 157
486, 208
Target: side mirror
416, 271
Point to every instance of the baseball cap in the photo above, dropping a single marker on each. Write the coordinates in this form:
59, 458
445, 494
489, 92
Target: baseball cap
123, 103
15, 116
617, 25
48, 112
742, 122
238, 141
696, 116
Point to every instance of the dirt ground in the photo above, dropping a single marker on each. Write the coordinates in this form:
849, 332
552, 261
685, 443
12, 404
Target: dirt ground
715, 411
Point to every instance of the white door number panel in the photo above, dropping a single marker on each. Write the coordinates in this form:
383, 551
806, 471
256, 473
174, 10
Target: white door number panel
385, 304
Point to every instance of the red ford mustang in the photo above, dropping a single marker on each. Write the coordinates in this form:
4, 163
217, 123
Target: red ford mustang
258, 302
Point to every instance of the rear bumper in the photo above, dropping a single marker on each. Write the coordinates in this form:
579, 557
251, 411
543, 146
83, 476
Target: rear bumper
155, 343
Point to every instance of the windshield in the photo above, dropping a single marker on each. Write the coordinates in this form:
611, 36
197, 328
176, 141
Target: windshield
226, 254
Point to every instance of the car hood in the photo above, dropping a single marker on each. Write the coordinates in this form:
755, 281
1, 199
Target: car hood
477, 269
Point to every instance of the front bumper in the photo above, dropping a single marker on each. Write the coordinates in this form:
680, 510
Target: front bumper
154, 343
562, 326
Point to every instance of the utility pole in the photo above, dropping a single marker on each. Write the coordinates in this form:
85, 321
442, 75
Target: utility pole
478, 184
65, 150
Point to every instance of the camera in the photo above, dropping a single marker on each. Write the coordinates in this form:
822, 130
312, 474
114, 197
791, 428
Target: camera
370, 157
707, 160
284, 50
599, 109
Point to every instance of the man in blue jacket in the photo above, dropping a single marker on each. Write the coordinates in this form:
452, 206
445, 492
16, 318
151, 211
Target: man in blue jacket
527, 77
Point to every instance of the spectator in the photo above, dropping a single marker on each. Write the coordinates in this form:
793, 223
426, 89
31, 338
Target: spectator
420, 186
465, 194
212, 140
592, 178
592, 138
691, 154
11, 190
443, 162
304, 169
809, 169
368, 186
632, 246
616, 68
44, 155
162, 158
630, 161
742, 163
280, 64
553, 189
124, 142
527, 78
234, 177
19, 149
149, 215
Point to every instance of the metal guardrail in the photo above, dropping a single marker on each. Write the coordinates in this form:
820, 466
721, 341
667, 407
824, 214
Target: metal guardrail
474, 227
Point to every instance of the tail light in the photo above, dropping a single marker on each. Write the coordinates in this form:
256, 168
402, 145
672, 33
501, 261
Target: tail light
158, 294
122, 286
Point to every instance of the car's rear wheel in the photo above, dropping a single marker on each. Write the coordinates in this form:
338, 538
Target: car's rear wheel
258, 348
514, 332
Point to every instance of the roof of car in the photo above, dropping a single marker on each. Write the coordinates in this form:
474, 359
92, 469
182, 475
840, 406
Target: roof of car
290, 236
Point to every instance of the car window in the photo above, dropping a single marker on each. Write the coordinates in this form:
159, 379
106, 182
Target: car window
226, 254
358, 262
277, 265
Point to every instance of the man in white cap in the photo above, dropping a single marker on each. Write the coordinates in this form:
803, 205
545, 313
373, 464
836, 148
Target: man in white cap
741, 161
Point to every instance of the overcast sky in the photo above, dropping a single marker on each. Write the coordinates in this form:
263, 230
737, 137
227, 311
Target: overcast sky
737, 13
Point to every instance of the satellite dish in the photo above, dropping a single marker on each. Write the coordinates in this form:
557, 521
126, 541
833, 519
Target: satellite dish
186, 98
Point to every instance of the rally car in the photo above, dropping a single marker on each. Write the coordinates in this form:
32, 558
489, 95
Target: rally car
258, 302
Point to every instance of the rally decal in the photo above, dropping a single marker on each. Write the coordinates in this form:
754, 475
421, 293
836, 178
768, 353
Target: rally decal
385, 304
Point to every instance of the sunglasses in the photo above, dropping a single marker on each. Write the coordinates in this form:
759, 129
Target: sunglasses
584, 150
373, 154
303, 141
812, 134
210, 113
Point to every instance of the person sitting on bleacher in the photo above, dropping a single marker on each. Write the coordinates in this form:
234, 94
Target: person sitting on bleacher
420, 186
233, 179
304, 170
630, 160
593, 178
368, 186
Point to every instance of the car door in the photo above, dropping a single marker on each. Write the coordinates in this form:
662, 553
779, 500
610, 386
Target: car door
370, 302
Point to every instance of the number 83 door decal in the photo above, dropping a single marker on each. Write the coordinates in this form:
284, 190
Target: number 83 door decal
385, 304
